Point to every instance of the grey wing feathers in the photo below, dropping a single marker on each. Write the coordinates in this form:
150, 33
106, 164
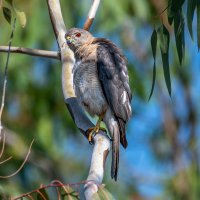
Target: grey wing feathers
113, 75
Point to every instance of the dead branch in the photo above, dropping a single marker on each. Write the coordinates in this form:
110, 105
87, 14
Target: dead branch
91, 14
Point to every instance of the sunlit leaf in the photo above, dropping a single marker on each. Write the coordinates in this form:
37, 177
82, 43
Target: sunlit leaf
22, 18
198, 24
190, 15
153, 47
7, 14
179, 34
42, 194
164, 39
104, 194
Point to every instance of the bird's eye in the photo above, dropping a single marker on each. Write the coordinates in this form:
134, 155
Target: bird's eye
78, 35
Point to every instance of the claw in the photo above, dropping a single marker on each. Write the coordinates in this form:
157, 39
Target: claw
93, 131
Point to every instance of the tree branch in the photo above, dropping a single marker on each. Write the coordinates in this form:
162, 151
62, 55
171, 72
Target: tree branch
97, 167
31, 52
101, 141
91, 14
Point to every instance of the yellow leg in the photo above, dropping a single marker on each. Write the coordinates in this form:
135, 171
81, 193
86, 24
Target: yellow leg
94, 130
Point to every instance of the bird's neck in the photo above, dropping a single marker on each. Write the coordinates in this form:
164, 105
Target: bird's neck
86, 52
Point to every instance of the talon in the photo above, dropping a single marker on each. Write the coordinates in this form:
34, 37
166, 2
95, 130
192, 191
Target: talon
94, 130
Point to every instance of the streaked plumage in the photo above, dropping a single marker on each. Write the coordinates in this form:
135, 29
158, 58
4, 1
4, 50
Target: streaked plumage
101, 85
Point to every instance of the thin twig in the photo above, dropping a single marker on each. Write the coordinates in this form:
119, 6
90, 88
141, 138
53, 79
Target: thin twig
7, 159
91, 14
3, 142
5, 77
56, 184
31, 52
22, 165
41, 195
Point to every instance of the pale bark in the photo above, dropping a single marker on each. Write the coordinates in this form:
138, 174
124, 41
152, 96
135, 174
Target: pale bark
31, 52
101, 141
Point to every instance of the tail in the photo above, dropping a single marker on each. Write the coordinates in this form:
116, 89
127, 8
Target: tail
115, 151
122, 127
116, 129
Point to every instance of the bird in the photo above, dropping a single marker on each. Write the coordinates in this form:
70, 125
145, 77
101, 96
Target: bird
101, 84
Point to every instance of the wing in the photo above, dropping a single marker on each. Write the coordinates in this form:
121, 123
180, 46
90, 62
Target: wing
113, 75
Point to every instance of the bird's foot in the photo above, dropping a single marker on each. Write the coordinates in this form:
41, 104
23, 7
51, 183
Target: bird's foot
93, 131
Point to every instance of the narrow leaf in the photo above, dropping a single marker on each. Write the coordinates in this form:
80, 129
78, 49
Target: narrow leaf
170, 12
164, 48
173, 7
191, 4
198, 24
1, 2
179, 34
154, 43
153, 81
153, 47
22, 18
176, 5
7, 14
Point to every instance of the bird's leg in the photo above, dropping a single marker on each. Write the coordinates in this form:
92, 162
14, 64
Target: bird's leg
94, 130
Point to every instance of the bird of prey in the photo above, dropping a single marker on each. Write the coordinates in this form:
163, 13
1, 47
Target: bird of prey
101, 84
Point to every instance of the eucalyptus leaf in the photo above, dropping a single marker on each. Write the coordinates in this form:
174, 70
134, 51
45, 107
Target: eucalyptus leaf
164, 40
153, 47
7, 14
179, 34
154, 43
176, 5
170, 12
191, 4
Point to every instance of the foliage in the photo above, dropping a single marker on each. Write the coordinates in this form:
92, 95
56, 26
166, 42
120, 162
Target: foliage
175, 17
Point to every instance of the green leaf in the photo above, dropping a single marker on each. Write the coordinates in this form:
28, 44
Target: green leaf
170, 12
179, 34
7, 14
153, 47
198, 24
103, 194
191, 4
154, 43
173, 7
164, 39
42, 194
176, 5
22, 18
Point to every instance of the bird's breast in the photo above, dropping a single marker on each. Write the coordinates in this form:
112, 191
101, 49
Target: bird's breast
88, 88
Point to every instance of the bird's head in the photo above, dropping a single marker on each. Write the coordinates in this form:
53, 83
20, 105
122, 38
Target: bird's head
77, 37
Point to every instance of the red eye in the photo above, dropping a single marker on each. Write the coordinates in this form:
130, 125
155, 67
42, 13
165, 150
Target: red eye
78, 35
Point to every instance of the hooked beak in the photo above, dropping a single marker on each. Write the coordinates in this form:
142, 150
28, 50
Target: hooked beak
69, 39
